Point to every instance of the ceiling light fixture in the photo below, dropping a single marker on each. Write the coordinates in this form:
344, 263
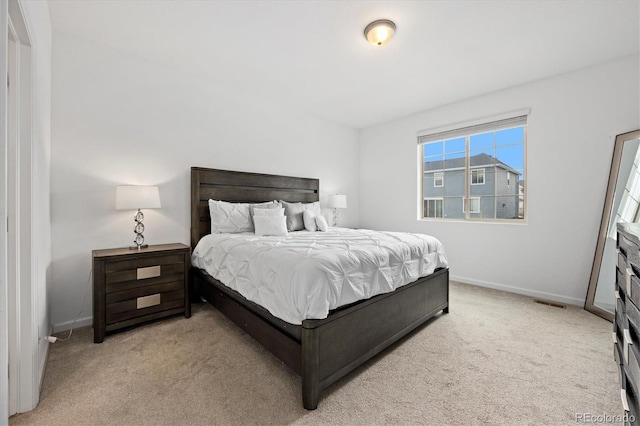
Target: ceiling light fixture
380, 32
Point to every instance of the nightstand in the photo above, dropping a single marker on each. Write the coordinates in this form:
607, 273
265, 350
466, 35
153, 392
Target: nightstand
135, 286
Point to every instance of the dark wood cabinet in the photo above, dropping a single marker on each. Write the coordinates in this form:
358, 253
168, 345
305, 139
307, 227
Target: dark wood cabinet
626, 323
135, 286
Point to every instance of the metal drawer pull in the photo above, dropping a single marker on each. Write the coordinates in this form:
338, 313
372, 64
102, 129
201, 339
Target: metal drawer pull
146, 301
623, 397
626, 341
148, 272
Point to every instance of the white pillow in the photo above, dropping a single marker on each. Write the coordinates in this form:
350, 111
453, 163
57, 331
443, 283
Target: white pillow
229, 217
279, 211
271, 225
322, 224
309, 218
293, 211
267, 205
314, 207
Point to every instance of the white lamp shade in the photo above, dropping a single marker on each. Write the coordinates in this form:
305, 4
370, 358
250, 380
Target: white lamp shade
130, 197
337, 201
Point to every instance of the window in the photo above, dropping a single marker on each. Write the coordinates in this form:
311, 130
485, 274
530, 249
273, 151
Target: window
474, 205
484, 165
438, 179
477, 177
433, 207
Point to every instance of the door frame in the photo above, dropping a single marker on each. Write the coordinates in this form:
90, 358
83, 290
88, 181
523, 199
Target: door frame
23, 383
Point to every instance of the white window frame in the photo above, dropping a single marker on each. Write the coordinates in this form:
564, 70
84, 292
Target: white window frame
438, 176
464, 205
515, 119
478, 176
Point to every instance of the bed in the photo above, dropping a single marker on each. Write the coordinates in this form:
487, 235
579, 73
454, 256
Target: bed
320, 350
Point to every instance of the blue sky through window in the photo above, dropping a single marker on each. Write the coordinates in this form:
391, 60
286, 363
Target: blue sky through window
506, 145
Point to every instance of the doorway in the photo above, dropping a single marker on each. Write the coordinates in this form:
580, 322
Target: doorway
23, 383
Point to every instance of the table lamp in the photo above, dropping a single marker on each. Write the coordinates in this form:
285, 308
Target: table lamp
131, 197
336, 202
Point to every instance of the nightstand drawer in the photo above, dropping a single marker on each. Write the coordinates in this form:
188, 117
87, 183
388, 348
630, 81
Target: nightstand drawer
123, 280
144, 305
134, 293
131, 287
133, 264
159, 269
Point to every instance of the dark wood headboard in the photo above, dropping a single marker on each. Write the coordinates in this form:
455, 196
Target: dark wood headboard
242, 187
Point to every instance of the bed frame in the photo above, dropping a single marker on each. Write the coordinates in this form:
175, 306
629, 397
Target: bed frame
321, 351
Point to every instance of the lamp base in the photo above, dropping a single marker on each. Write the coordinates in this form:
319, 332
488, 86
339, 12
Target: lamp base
138, 247
138, 230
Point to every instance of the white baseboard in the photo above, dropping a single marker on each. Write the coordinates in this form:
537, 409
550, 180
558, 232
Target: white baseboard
43, 361
532, 293
67, 325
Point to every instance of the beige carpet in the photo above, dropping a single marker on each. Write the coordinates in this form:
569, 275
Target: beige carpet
497, 358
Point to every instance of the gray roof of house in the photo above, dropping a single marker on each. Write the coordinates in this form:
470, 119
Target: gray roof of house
478, 160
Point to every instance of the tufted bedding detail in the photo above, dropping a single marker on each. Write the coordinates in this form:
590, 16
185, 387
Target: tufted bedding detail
306, 274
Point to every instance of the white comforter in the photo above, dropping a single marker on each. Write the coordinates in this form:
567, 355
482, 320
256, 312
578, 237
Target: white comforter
306, 274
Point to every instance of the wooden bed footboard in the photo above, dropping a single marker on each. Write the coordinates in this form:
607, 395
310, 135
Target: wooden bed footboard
333, 347
330, 348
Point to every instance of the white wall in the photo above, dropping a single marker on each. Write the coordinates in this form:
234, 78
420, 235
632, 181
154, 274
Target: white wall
571, 131
120, 120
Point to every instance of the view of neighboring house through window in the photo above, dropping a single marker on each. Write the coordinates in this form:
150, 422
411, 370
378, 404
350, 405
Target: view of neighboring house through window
477, 177
433, 207
438, 179
475, 172
474, 205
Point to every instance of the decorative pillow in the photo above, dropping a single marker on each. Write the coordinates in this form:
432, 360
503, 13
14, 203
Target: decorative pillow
229, 217
271, 225
322, 224
268, 212
293, 211
267, 205
314, 207
309, 219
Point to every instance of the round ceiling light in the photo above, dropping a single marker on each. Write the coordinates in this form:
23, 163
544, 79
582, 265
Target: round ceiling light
380, 32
